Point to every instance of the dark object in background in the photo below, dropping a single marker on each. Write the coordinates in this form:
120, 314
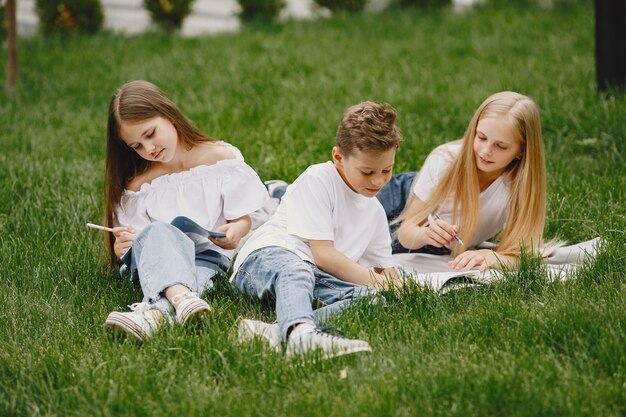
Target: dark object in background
611, 44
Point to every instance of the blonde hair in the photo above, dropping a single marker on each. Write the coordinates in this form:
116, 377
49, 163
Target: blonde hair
134, 102
525, 176
368, 126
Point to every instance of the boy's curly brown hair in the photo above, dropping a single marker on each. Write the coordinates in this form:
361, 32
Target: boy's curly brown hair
368, 126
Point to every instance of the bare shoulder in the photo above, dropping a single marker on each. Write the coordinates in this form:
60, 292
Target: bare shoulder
139, 180
145, 177
212, 153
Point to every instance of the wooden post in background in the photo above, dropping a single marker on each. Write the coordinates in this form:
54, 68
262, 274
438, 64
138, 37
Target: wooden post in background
11, 80
611, 44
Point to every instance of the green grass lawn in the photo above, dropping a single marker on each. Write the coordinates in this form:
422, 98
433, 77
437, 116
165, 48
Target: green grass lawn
523, 347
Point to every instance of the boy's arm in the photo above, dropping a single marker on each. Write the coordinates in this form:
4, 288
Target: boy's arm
330, 260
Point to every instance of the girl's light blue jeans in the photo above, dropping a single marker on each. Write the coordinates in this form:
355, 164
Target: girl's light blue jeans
163, 256
395, 193
280, 276
393, 198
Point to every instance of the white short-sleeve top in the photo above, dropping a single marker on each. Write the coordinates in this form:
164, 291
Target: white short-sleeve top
319, 205
210, 195
493, 201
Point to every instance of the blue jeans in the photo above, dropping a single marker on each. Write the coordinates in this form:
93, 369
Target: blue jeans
393, 198
280, 276
163, 256
395, 194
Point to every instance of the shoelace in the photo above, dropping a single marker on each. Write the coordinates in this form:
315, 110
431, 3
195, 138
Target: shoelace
140, 307
330, 331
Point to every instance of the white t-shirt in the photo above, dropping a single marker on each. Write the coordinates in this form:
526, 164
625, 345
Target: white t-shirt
208, 194
319, 205
493, 202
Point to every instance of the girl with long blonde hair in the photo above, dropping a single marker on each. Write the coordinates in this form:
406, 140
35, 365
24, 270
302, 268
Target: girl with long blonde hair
491, 182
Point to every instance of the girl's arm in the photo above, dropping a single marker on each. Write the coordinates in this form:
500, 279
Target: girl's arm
413, 236
235, 229
330, 260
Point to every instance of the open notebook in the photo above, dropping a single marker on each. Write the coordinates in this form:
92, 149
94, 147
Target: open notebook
443, 282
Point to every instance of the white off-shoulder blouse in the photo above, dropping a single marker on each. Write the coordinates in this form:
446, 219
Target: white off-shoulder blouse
210, 195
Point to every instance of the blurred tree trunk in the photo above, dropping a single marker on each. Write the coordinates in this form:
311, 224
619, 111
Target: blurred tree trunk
611, 44
12, 46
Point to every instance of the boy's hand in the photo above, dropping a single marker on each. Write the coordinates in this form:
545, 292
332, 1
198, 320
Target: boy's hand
124, 236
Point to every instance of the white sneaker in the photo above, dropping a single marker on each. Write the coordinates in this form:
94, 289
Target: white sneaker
139, 324
190, 308
330, 345
250, 329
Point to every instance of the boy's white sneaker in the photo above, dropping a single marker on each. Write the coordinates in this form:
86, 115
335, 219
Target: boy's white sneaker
314, 339
190, 308
138, 324
250, 329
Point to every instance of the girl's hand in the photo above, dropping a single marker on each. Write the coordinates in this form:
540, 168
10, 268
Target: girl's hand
124, 236
235, 230
439, 234
479, 259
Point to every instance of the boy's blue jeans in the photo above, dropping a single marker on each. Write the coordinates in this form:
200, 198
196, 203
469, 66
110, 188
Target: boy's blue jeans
163, 256
276, 274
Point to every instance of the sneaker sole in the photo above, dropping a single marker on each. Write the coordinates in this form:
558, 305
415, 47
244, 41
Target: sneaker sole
355, 349
195, 312
246, 333
120, 325
329, 355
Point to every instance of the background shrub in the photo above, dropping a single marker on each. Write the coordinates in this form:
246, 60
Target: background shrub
168, 14
342, 5
266, 10
424, 3
538, 3
70, 16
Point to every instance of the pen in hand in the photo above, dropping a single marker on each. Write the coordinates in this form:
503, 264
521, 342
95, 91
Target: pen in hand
456, 237
95, 226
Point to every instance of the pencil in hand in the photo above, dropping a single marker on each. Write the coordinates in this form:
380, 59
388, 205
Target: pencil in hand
96, 226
